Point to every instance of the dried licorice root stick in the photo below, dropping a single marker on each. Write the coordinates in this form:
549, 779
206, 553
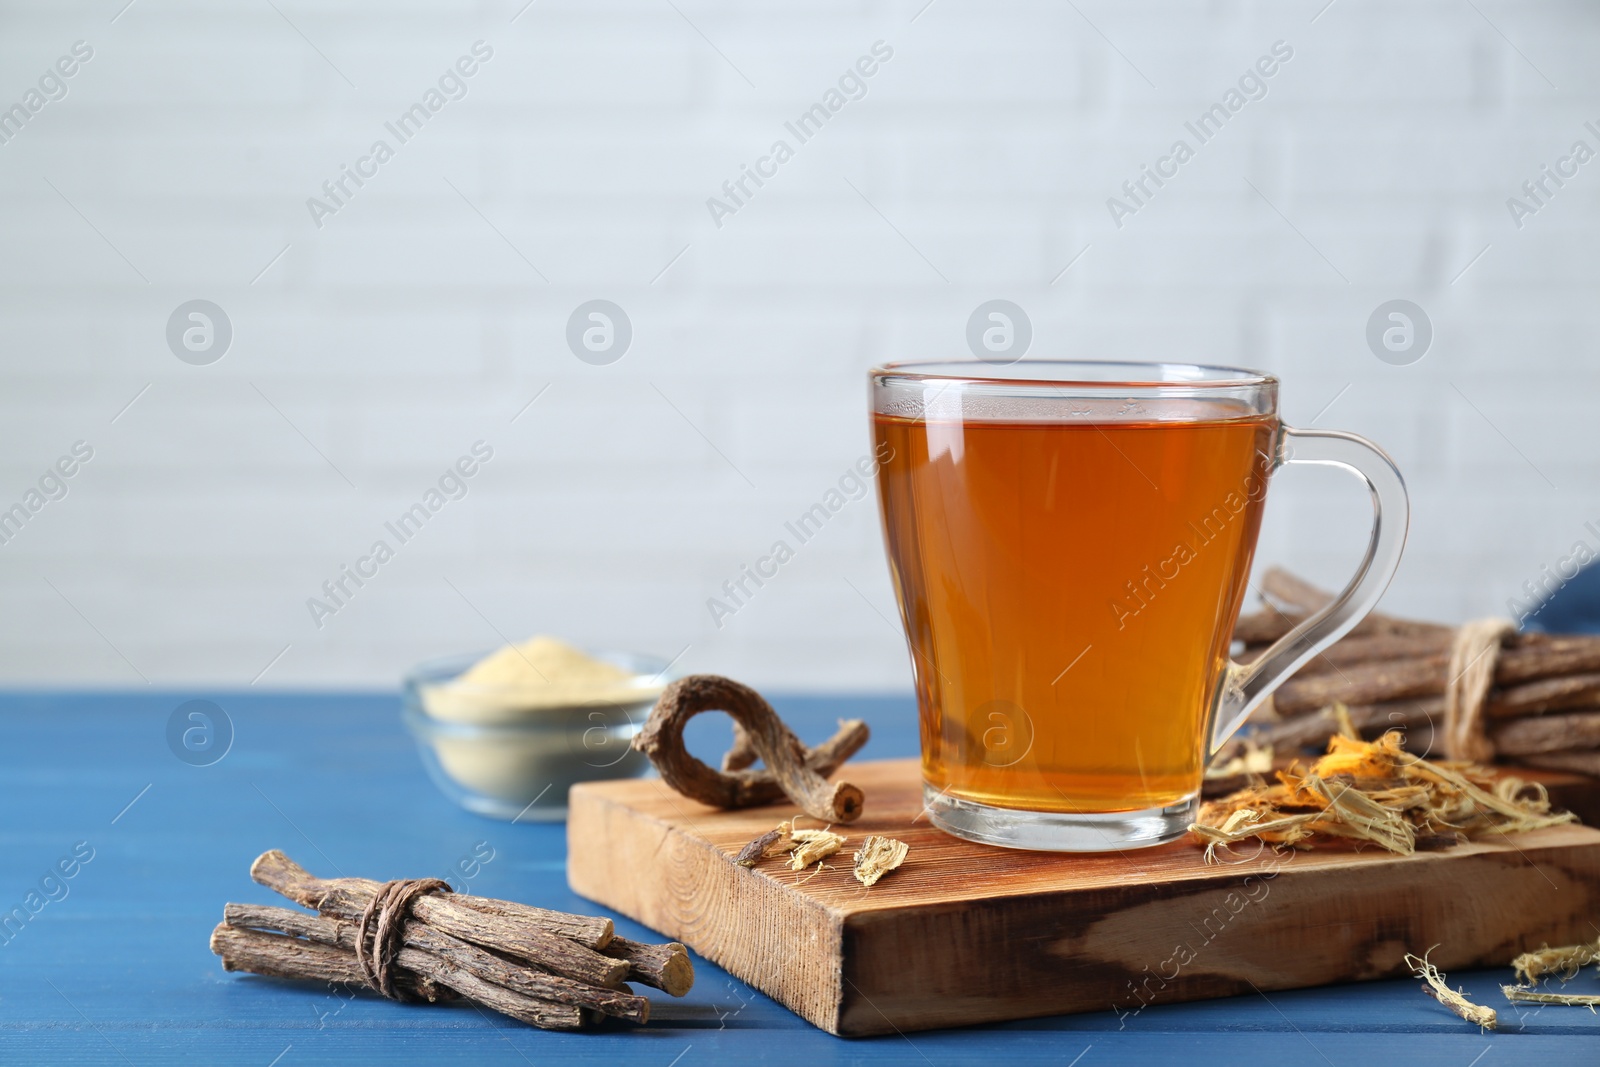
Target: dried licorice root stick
414, 940
347, 898
278, 956
666, 967
439, 958
791, 769
282, 875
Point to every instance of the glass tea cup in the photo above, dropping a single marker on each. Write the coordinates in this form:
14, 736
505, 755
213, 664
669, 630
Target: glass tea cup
1070, 545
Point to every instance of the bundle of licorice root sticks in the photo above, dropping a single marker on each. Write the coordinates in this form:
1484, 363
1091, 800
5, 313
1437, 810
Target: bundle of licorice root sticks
1474, 692
414, 940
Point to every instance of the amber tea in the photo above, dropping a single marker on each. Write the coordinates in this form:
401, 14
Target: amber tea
1069, 571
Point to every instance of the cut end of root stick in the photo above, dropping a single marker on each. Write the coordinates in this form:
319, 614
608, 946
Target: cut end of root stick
677, 973
848, 802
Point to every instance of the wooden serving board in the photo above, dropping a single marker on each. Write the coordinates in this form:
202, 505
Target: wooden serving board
965, 933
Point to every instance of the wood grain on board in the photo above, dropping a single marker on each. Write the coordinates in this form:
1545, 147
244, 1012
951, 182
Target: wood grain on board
965, 933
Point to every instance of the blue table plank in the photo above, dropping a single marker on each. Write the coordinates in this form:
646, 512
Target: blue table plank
117, 971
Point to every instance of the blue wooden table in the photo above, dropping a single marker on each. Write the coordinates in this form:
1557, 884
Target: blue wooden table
111, 966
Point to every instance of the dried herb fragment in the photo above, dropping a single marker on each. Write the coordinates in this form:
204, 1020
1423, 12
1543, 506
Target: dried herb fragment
1376, 791
1453, 999
1562, 963
761, 847
1519, 995
814, 845
877, 856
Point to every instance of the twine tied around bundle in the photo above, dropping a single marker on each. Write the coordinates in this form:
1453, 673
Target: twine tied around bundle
1474, 653
381, 932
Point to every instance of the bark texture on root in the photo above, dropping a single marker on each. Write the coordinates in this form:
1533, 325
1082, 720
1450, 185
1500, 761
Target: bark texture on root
791, 770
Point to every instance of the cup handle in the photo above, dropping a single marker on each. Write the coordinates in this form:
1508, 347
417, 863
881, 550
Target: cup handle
1246, 685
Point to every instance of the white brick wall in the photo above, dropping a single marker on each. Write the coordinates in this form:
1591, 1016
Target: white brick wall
407, 327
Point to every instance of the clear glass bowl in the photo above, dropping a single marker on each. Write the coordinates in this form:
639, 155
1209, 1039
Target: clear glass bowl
520, 766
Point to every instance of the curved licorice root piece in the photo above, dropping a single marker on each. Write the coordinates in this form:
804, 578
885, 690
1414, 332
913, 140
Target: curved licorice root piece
791, 770
742, 753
